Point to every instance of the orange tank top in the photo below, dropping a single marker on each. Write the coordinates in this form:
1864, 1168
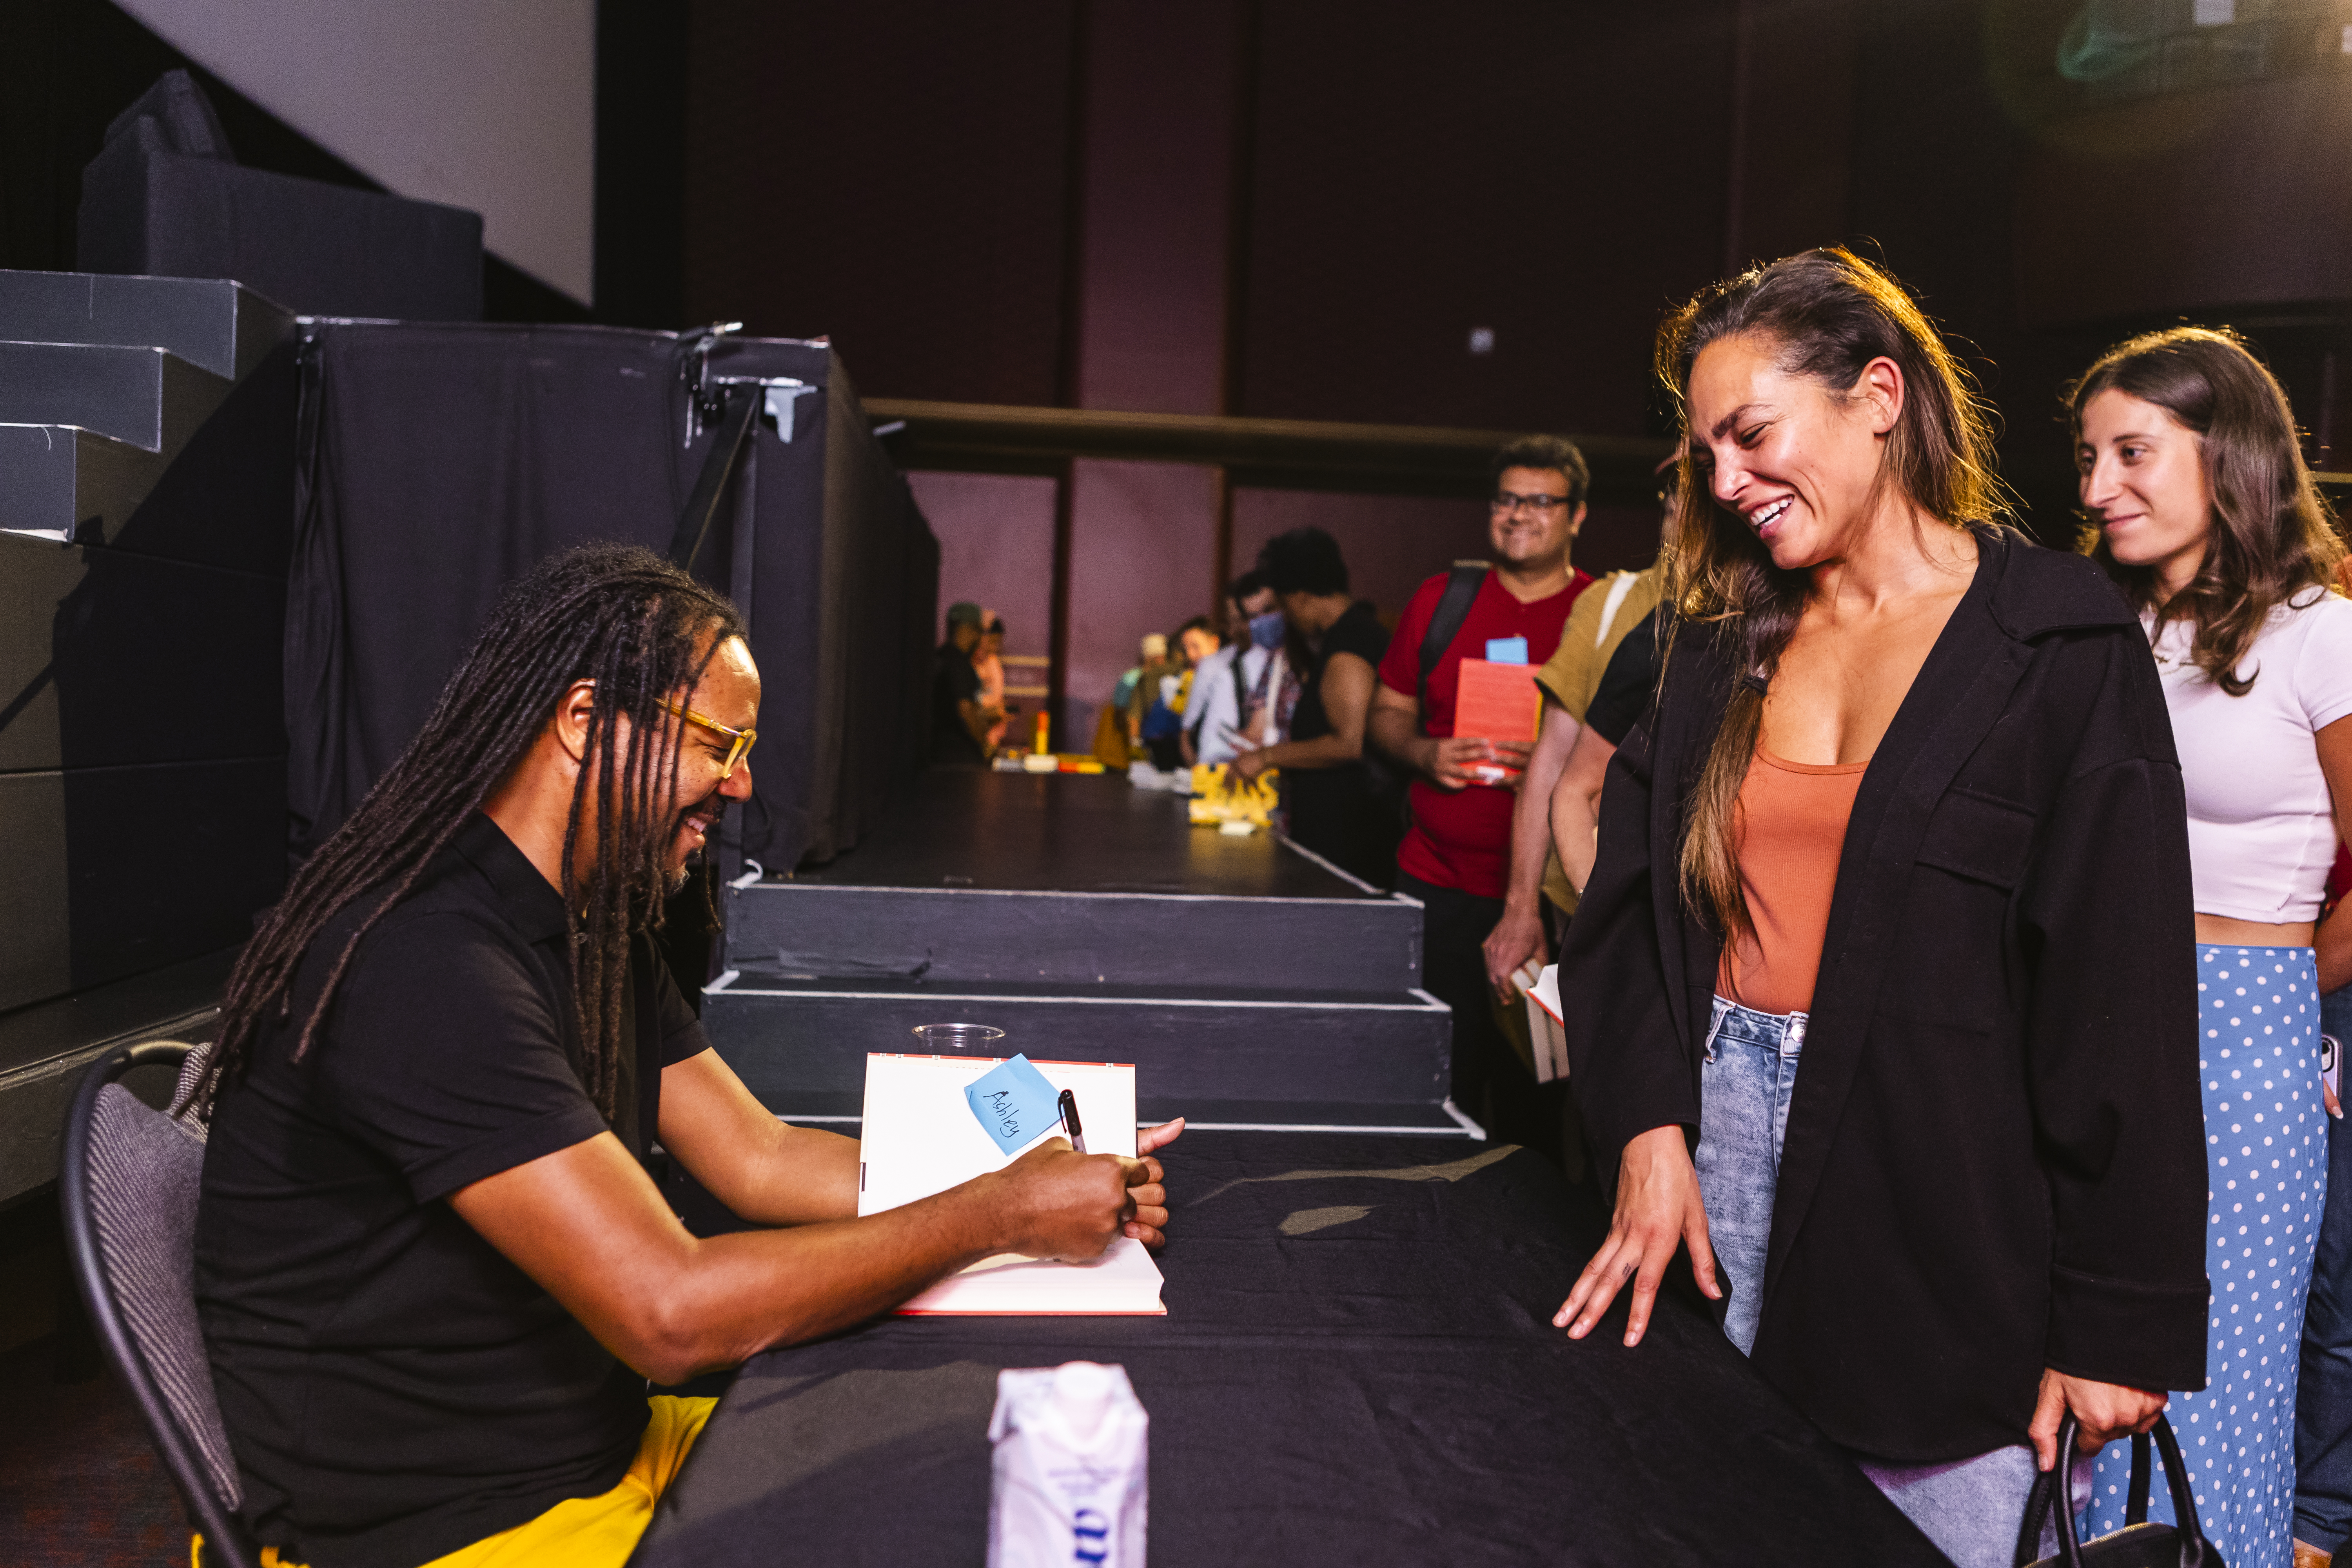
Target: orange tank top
1790, 822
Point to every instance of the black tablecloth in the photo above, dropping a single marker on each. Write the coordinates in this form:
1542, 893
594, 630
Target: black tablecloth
1357, 1366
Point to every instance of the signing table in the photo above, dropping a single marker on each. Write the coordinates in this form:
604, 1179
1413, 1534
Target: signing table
1357, 1367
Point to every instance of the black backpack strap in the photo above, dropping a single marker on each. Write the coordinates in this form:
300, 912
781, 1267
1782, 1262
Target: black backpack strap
1445, 622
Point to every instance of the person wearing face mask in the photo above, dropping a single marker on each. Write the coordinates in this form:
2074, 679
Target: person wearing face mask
1329, 800
2203, 512
1221, 682
1881, 999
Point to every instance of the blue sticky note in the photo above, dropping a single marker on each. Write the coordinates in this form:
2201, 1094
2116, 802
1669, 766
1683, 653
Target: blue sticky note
1014, 1103
1507, 651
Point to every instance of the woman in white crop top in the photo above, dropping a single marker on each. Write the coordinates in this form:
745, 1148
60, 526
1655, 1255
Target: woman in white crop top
2209, 520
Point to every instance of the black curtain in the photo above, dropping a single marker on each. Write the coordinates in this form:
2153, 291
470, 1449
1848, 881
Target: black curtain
439, 462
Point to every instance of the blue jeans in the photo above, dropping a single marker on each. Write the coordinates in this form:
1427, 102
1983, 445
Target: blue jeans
1745, 1086
2323, 1422
1970, 1508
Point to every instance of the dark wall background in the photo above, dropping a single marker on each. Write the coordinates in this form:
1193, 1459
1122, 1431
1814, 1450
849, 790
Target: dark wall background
1558, 172
896, 174
1304, 208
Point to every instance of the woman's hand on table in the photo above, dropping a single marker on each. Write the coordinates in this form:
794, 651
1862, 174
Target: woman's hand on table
1658, 1210
1147, 1195
2106, 1410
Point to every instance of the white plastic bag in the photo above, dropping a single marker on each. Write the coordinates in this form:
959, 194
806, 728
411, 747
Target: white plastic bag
1070, 1486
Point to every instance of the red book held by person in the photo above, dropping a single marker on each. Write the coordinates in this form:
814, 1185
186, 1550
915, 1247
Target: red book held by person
1496, 702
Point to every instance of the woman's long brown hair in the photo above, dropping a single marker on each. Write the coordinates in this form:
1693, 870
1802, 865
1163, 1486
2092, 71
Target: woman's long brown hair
2272, 535
1828, 314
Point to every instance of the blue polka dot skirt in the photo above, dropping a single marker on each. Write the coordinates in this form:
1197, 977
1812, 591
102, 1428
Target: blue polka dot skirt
2266, 1162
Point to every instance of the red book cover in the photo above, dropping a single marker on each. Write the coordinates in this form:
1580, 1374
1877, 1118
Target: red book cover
1497, 702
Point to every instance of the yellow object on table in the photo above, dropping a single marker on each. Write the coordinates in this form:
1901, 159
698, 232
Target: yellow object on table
1219, 796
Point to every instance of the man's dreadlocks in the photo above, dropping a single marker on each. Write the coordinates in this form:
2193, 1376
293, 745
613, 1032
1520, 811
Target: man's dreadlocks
644, 632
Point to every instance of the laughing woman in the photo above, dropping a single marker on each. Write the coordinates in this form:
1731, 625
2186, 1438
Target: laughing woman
1886, 1005
2209, 520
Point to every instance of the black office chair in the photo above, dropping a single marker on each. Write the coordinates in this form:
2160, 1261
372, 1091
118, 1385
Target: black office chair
129, 1189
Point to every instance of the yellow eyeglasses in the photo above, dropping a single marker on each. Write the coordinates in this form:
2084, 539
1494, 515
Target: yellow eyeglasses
738, 741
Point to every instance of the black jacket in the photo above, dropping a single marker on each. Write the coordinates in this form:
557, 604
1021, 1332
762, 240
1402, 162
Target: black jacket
1995, 1157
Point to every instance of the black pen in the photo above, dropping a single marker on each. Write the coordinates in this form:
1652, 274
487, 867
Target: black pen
1070, 1121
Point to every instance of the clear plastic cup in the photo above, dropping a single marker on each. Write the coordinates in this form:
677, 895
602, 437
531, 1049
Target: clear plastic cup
957, 1036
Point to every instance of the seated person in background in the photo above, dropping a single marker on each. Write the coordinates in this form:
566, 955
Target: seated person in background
988, 663
1222, 682
1586, 730
1334, 807
1162, 659
433, 1272
1163, 715
1118, 731
959, 717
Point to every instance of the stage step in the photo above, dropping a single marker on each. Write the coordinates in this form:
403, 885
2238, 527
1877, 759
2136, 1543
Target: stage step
1225, 1055
65, 484
149, 397
214, 323
804, 931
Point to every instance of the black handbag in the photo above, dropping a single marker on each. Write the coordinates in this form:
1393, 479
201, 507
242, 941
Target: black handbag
2138, 1544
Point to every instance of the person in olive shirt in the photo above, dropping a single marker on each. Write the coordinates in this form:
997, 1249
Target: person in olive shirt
432, 1271
1334, 802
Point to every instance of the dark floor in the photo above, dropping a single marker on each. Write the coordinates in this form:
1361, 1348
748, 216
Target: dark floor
79, 1486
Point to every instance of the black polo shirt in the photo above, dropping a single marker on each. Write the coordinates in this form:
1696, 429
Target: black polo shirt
953, 683
393, 1386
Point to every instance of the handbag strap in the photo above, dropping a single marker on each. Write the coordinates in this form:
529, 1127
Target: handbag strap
2037, 1509
2196, 1550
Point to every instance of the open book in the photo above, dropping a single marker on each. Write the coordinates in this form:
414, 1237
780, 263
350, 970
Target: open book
921, 1137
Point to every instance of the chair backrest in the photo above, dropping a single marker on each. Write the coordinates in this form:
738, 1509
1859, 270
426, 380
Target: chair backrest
127, 1187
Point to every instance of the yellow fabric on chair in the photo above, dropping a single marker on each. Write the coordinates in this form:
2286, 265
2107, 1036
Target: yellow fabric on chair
587, 1531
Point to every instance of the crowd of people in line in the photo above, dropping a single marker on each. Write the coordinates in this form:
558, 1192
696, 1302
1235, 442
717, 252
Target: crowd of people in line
1945, 959
2023, 852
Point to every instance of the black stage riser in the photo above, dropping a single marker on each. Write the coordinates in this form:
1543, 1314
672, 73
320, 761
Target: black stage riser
212, 323
150, 398
109, 658
1367, 1064
949, 935
111, 871
324, 250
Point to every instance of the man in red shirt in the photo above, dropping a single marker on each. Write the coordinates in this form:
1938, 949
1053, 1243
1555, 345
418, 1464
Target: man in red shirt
1455, 858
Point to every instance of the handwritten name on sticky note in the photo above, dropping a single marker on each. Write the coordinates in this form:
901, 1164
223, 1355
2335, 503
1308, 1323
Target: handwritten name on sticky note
1014, 1103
